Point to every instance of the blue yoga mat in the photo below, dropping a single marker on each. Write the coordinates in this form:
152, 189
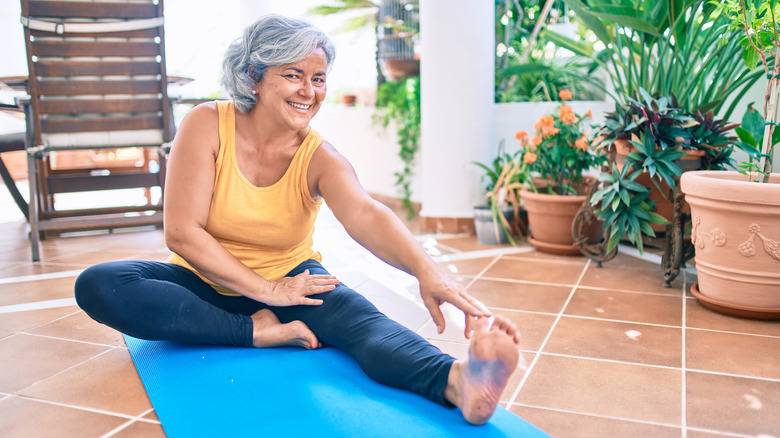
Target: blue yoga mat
209, 391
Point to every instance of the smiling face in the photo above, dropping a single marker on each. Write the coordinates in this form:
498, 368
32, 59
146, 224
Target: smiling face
293, 93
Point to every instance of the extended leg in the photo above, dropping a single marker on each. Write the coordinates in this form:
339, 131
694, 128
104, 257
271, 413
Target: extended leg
387, 351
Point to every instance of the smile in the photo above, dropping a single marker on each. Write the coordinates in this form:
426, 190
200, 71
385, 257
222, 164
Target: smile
298, 105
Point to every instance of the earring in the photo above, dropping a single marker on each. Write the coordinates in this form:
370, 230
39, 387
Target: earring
254, 91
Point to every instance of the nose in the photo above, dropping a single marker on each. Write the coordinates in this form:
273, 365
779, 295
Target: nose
307, 88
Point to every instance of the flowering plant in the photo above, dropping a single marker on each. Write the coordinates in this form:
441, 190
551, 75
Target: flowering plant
561, 151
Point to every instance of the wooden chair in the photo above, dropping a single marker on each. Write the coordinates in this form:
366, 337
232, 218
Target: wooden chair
97, 83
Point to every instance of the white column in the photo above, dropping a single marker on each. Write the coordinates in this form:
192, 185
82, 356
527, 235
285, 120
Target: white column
457, 74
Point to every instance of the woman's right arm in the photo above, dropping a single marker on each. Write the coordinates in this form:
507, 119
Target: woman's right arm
189, 184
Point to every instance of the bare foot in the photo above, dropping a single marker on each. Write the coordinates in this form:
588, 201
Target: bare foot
475, 385
269, 332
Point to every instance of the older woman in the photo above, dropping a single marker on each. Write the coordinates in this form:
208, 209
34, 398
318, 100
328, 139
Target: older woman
245, 180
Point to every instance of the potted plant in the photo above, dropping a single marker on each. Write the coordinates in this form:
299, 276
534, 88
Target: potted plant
499, 217
558, 156
651, 142
736, 215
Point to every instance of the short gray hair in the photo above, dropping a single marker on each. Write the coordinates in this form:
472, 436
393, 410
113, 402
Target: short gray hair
271, 41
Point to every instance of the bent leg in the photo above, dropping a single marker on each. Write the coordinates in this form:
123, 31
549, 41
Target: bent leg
161, 301
386, 351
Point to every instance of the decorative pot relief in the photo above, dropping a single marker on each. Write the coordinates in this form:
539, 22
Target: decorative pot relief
717, 235
772, 247
746, 248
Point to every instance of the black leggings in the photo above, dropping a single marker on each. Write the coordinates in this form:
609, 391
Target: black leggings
161, 301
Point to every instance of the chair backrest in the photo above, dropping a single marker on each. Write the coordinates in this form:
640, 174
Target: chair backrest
97, 73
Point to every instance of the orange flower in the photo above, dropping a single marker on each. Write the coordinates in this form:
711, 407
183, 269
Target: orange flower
581, 143
589, 114
522, 136
529, 158
566, 114
565, 95
536, 141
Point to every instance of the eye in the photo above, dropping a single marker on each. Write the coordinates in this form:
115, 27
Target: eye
291, 76
319, 80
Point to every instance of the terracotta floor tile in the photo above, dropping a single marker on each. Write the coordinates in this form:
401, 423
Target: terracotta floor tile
605, 388
80, 327
470, 267
25, 320
630, 279
626, 306
26, 359
33, 291
545, 256
25, 418
733, 404
619, 341
520, 296
698, 316
746, 355
108, 382
533, 327
544, 271
141, 429
569, 425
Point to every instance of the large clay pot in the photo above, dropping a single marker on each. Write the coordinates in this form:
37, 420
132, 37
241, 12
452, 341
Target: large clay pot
736, 231
550, 219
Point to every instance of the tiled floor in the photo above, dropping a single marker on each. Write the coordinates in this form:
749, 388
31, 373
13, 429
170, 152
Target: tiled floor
608, 351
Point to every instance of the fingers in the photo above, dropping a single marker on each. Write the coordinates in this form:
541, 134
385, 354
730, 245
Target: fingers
469, 305
436, 315
470, 321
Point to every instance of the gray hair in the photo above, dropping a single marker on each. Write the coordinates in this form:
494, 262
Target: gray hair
271, 41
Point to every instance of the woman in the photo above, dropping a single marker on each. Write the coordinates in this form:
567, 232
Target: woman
245, 181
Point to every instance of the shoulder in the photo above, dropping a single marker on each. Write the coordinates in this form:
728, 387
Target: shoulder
199, 129
327, 155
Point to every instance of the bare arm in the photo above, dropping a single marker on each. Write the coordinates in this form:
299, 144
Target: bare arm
363, 217
188, 189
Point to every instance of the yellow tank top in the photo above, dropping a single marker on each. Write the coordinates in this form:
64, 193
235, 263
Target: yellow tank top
269, 229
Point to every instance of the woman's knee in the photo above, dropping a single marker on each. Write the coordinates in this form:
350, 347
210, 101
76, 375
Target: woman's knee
96, 287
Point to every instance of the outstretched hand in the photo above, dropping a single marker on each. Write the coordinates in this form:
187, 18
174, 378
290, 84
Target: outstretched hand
446, 290
292, 291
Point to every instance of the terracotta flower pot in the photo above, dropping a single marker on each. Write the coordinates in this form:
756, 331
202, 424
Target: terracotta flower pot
736, 230
550, 219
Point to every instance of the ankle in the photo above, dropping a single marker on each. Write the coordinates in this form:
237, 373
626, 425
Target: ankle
453, 393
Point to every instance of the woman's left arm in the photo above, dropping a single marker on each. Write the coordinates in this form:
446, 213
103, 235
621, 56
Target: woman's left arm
379, 230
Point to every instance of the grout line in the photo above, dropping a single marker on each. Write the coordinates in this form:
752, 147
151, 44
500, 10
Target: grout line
80, 408
590, 414
27, 331
137, 419
66, 369
538, 354
97, 344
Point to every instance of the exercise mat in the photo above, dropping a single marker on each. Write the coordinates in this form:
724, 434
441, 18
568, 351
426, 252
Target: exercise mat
205, 391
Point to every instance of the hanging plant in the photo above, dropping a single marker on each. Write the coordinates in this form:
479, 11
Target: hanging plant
400, 101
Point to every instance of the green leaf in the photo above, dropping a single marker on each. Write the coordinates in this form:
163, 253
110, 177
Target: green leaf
746, 136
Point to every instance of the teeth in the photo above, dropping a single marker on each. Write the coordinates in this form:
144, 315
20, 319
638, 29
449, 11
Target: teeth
298, 105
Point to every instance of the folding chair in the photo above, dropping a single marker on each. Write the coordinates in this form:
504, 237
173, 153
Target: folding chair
97, 84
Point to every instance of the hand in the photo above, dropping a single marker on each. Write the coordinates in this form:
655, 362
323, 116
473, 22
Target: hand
292, 291
444, 289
